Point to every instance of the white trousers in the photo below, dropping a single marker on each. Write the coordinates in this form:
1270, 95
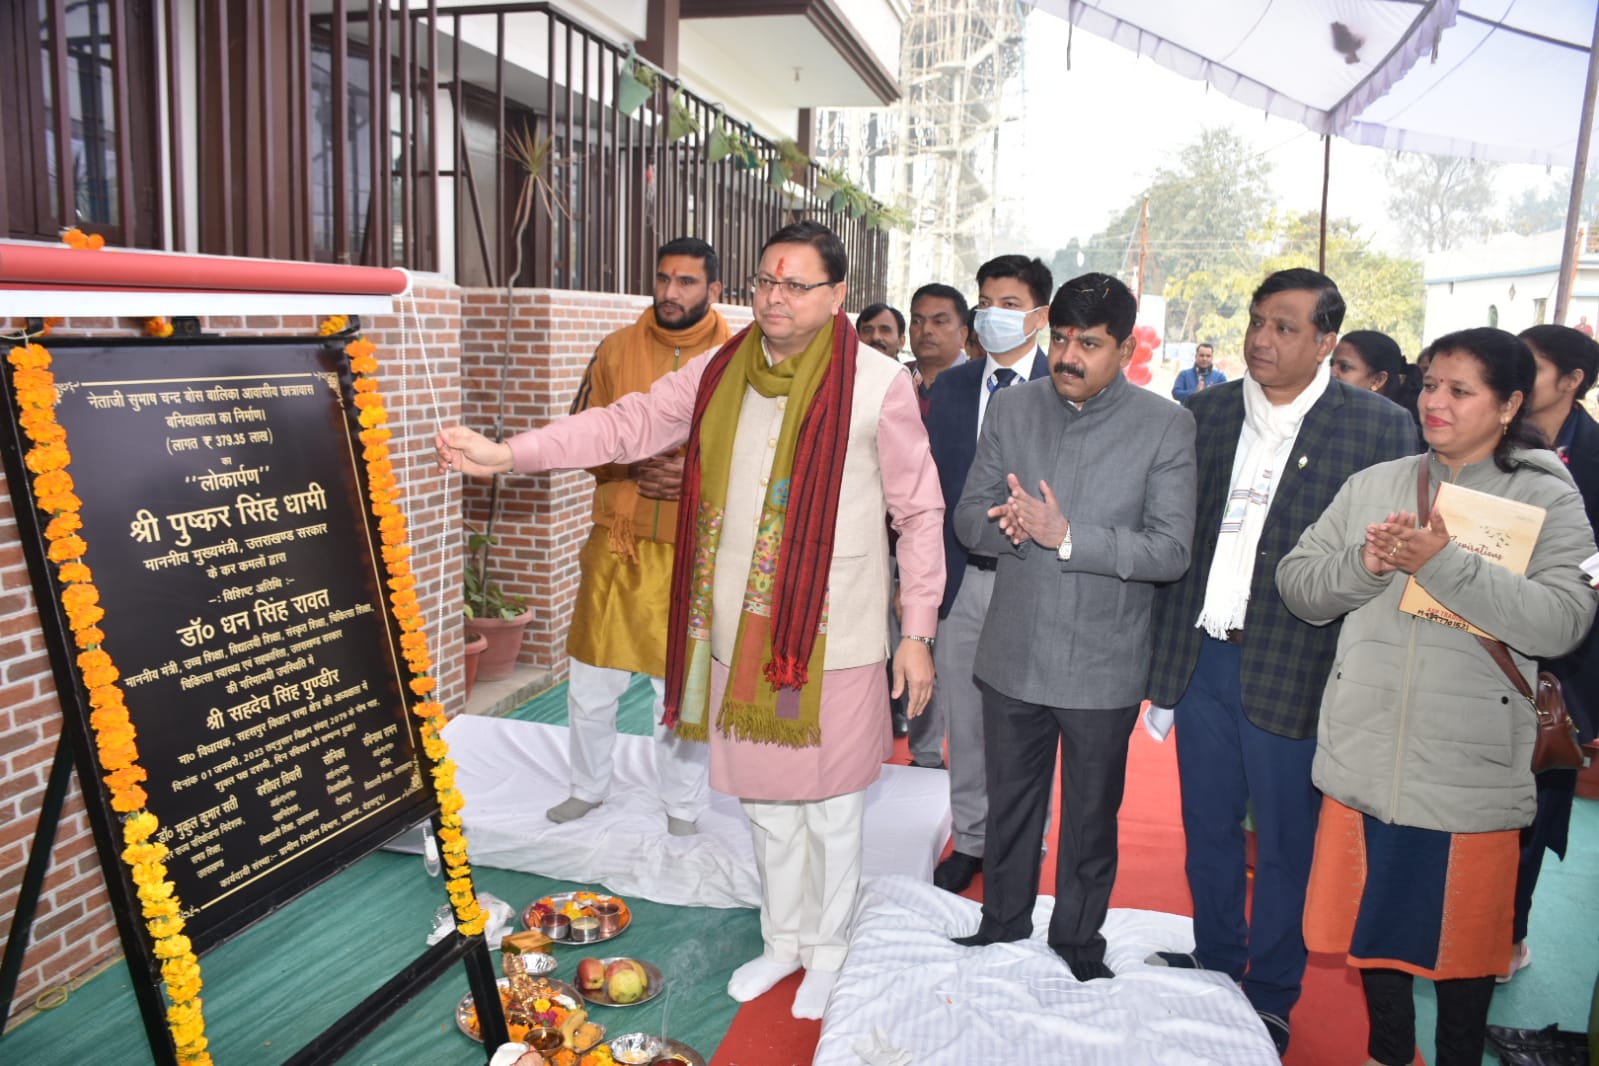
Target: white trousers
592, 696
809, 855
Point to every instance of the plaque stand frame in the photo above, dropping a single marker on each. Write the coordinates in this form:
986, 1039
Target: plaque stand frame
75, 749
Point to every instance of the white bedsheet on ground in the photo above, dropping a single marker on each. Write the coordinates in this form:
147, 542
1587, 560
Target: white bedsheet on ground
511, 772
1018, 1003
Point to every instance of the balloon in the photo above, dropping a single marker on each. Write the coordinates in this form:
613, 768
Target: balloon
1142, 354
1138, 374
1147, 336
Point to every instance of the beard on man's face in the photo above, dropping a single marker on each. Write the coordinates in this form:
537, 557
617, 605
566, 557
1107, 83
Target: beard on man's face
679, 317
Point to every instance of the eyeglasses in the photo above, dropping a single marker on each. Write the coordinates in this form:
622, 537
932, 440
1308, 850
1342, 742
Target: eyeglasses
764, 285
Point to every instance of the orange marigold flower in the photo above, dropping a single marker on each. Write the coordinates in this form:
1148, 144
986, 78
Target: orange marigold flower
109, 718
94, 660
375, 435
128, 775
128, 800
60, 501
374, 453
364, 365
33, 377
373, 416
47, 457
84, 619
360, 348
87, 636
172, 946
67, 548
365, 385
367, 399
79, 595
74, 574
139, 827
105, 696
103, 675
157, 327
333, 324
53, 433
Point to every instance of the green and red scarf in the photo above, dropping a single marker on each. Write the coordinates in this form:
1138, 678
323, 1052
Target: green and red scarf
774, 685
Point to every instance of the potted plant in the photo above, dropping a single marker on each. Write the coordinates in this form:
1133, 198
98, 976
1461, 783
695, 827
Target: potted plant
635, 84
491, 613
476, 645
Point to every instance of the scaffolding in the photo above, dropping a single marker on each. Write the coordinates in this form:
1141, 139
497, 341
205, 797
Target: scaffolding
936, 152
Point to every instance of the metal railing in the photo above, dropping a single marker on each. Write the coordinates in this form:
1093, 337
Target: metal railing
386, 134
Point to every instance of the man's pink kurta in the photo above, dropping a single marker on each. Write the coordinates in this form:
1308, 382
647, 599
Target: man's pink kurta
855, 726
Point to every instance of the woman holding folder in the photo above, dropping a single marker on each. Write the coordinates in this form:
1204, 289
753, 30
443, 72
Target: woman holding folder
1424, 746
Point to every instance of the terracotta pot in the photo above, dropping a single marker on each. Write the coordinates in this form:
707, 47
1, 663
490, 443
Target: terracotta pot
476, 644
504, 635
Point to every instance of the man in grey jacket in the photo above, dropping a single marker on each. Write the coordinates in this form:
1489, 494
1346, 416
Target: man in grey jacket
1083, 487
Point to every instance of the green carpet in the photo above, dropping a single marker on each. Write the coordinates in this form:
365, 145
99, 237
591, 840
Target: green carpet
278, 984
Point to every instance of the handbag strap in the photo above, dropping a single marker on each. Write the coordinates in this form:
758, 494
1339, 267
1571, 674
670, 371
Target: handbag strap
1495, 648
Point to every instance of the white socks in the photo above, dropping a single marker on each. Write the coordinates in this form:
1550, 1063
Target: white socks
757, 977
811, 999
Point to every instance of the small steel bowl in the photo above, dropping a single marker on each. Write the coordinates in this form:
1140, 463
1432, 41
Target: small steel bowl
586, 930
636, 1048
555, 926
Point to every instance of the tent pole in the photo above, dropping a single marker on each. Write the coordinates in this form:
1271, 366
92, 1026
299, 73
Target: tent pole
1568, 248
1326, 178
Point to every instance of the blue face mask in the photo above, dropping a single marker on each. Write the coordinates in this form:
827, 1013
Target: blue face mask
1001, 329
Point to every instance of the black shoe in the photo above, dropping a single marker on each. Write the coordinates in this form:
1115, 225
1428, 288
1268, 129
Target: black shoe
976, 940
1090, 970
1177, 960
1549, 1046
939, 765
957, 871
1277, 1029
902, 723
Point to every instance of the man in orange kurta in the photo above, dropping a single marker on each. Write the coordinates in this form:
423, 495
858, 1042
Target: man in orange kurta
619, 620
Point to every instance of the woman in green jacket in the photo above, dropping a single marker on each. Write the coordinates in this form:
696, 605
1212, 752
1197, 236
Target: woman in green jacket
1424, 747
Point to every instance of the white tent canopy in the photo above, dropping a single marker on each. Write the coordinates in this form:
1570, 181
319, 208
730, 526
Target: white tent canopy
1499, 80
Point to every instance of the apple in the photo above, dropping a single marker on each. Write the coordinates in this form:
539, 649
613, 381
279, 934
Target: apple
590, 975
624, 981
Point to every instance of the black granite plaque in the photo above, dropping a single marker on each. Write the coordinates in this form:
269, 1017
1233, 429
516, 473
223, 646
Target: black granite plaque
224, 508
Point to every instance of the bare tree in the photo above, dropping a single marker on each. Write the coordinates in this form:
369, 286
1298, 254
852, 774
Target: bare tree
1441, 202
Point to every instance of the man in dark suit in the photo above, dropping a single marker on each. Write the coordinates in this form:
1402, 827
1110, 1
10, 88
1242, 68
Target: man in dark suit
1244, 675
937, 335
1012, 306
1083, 486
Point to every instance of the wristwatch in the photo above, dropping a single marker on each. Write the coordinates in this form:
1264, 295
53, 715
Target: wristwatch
1064, 552
929, 641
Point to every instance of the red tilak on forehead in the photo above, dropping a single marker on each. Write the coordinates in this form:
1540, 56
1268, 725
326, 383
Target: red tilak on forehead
780, 261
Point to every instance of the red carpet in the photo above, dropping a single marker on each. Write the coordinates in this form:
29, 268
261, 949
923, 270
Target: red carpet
1329, 1023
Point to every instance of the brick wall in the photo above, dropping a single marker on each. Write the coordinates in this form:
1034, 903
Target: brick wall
73, 934
538, 345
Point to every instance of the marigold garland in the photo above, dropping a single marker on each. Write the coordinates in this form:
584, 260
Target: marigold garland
115, 736
384, 492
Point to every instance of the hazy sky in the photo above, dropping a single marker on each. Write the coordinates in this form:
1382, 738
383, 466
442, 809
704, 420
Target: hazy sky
1093, 136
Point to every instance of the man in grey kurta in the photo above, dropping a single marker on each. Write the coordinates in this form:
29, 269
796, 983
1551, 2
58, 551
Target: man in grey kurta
1083, 487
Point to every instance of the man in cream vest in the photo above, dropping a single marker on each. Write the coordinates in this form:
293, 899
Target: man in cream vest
777, 628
